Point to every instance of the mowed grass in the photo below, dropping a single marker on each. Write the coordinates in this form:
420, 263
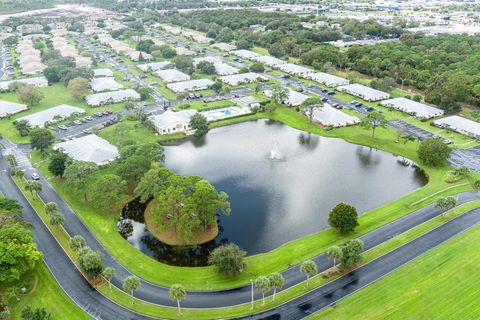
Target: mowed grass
442, 284
45, 292
103, 224
54, 95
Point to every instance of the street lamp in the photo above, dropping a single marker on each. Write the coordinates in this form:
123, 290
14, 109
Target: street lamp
251, 281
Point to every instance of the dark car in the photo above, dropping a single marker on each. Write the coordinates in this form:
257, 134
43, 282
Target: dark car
337, 106
331, 93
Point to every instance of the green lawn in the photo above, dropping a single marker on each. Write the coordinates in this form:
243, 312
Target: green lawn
45, 292
103, 225
442, 284
135, 131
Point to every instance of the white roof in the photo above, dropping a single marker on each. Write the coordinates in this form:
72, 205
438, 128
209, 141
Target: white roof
7, 107
190, 85
90, 148
364, 92
329, 116
420, 110
182, 51
112, 97
171, 75
295, 69
246, 54
196, 61
224, 69
269, 61
34, 81
105, 84
224, 46
328, 79
294, 98
154, 66
170, 118
242, 78
105, 72
38, 119
460, 124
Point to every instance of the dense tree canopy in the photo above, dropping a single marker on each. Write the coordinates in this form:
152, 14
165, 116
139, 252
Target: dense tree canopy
434, 152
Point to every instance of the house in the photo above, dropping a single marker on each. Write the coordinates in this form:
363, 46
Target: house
8, 108
89, 148
173, 122
269, 61
327, 79
50, 115
103, 72
39, 82
329, 116
245, 54
294, 98
224, 69
190, 85
105, 84
109, 97
153, 66
243, 78
364, 92
171, 75
417, 109
210, 59
461, 125
295, 69
227, 47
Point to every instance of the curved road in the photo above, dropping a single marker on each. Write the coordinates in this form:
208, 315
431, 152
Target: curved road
89, 299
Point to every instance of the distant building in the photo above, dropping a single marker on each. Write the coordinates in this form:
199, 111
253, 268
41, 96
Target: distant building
8, 108
90, 148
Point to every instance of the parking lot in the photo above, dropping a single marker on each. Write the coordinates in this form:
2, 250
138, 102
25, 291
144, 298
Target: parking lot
6, 70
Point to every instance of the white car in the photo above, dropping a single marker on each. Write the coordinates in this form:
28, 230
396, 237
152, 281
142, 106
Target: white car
35, 176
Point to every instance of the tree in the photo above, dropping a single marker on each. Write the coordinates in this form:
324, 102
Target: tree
334, 253
77, 175
206, 67
18, 251
9, 206
144, 93
131, 284
57, 218
90, 261
351, 253
76, 243
310, 104
310, 269
29, 95
383, 84
23, 127
263, 284
33, 186
106, 191
58, 162
78, 87
445, 204
343, 217
276, 281
41, 139
51, 208
199, 123
145, 45
36, 314
183, 63
433, 151
178, 293
108, 274
373, 121
407, 138
279, 93
133, 168
257, 67
228, 259
217, 87
167, 51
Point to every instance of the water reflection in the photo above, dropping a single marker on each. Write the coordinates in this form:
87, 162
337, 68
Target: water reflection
274, 202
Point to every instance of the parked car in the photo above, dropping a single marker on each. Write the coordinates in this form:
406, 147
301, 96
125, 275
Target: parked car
62, 127
88, 118
35, 176
337, 106
77, 122
331, 93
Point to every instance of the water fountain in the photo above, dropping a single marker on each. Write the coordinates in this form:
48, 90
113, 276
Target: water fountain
275, 154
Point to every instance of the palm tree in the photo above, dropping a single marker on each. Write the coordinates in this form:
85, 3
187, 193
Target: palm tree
276, 281
57, 218
130, 284
263, 284
33, 186
310, 269
407, 138
50, 208
108, 274
334, 253
178, 293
